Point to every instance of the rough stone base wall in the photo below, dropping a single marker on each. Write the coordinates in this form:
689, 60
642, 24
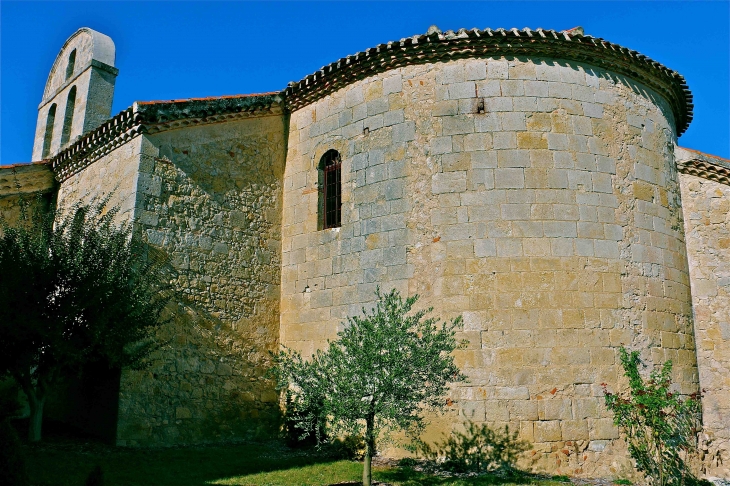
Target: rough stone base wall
24, 183
115, 173
706, 206
210, 197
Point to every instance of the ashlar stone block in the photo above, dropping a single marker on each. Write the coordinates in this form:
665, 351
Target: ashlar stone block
548, 431
448, 182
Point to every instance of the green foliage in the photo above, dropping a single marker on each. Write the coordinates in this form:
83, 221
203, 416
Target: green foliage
76, 288
96, 477
561, 478
660, 426
349, 448
12, 462
9, 403
623, 482
380, 375
479, 449
304, 423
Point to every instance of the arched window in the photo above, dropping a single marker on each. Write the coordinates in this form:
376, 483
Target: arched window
71, 63
48, 137
330, 179
69, 118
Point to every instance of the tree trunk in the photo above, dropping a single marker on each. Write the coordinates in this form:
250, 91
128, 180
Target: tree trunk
367, 475
36, 415
366, 470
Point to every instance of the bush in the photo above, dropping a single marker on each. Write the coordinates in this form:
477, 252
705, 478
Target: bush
479, 449
12, 463
9, 404
96, 477
304, 425
349, 448
660, 426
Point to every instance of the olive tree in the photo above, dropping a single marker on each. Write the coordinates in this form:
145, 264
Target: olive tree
381, 374
75, 288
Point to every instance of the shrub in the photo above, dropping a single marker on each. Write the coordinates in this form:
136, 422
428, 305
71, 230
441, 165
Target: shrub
9, 403
96, 477
348, 448
479, 449
304, 425
12, 463
660, 426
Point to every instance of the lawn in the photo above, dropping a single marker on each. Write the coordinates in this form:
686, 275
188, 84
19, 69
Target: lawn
59, 461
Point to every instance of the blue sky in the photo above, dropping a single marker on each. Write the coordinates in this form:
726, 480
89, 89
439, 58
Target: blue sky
168, 50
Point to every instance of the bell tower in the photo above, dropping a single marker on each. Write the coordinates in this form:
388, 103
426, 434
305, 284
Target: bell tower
78, 94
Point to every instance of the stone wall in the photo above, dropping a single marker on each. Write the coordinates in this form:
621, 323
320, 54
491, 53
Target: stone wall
536, 198
116, 173
24, 181
210, 197
706, 206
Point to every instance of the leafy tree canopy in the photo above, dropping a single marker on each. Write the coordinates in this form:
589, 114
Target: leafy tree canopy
75, 288
384, 370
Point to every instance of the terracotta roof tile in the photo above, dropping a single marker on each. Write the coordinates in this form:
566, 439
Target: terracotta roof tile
25, 164
706, 166
209, 98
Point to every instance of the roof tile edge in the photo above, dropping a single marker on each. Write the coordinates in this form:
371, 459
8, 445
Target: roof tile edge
434, 46
156, 116
700, 164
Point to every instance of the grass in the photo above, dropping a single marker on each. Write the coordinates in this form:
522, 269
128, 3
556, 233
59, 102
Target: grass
64, 461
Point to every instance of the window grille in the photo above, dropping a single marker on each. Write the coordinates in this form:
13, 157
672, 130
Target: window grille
331, 165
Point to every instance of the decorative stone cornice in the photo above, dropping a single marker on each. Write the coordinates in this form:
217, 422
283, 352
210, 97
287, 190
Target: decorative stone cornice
26, 178
158, 116
703, 165
435, 46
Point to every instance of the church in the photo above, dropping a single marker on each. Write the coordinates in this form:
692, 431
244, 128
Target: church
529, 181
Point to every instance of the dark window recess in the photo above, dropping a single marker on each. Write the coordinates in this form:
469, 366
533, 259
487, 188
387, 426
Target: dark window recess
48, 138
71, 64
331, 164
68, 120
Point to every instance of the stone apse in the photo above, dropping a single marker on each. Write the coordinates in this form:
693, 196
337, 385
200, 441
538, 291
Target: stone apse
527, 180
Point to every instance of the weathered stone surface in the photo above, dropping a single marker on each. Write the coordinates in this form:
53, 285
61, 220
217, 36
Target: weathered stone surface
21, 182
537, 198
213, 204
554, 257
706, 207
79, 90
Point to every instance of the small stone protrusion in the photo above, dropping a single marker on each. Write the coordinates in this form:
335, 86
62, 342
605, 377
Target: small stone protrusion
433, 30
575, 31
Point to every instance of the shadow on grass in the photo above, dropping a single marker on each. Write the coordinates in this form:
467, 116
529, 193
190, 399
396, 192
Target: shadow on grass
62, 459
409, 477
